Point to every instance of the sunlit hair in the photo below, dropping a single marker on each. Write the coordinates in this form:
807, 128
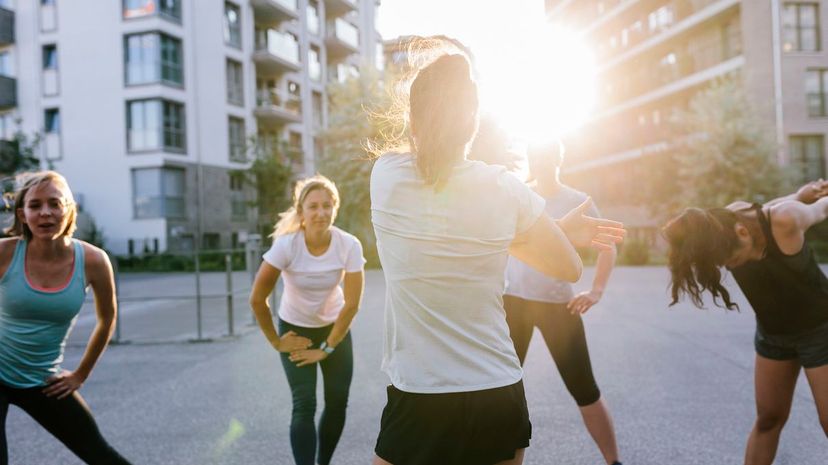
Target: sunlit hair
25, 182
290, 221
435, 104
700, 242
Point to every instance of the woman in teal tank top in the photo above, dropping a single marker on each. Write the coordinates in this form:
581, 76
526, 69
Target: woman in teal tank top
44, 275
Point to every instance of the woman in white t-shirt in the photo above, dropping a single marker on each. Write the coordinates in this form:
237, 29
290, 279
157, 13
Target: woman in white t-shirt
533, 299
444, 228
315, 314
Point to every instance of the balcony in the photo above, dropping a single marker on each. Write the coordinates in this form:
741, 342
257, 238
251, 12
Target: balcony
275, 11
335, 8
277, 107
6, 26
341, 72
680, 17
276, 52
8, 92
341, 38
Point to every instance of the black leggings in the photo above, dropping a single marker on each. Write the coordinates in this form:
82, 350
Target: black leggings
565, 339
68, 419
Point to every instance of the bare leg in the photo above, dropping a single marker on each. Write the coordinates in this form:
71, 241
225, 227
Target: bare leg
818, 379
379, 461
775, 383
598, 422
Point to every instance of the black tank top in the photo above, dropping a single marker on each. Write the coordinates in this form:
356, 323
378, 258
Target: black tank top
789, 293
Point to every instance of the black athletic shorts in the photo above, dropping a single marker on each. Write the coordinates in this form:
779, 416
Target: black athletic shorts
462, 428
809, 347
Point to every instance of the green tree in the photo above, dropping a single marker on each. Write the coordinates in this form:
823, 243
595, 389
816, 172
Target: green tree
16, 155
721, 152
270, 174
355, 110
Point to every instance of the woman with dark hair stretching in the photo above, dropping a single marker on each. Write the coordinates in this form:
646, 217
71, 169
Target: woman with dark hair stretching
444, 228
764, 248
313, 257
44, 276
533, 299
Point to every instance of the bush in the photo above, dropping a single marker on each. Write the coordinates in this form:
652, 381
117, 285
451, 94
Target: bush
634, 252
210, 261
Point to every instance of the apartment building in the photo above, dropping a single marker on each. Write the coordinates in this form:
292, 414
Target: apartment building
149, 107
654, 55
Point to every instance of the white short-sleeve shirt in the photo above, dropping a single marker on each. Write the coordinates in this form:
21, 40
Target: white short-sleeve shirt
312, 296
443, 254
527, 283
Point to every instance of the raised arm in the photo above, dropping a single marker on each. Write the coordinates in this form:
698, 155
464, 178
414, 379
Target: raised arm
100, 277
545, 247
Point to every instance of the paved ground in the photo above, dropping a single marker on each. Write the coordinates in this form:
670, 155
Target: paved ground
679, 383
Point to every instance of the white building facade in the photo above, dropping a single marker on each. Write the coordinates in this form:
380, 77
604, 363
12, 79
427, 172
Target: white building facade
148, 107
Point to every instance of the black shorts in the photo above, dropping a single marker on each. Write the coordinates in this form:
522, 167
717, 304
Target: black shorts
809, 347
462, 428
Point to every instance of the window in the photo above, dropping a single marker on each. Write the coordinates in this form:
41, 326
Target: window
313, 17
800, 27
314, 64
153, 57
50, 57
158, 192
318, 109
155, 125
167, 8
807, 155
816, 91
51, 121
235, 83
236, 138
232, 25
238, 209
236, 181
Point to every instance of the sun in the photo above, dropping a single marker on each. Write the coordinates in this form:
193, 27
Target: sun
538, 84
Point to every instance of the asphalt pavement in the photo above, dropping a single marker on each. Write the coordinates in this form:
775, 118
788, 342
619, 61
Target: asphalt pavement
678, 381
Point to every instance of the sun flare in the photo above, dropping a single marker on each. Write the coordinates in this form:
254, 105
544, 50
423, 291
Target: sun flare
540, 84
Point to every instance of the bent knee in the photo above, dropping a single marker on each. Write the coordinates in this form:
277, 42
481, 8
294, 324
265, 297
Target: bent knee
767, 421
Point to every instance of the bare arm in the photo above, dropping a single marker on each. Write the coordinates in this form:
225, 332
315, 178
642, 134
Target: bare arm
101, 279
353, 296
790, 220
354, 284
808, 193
545, 247
262, 287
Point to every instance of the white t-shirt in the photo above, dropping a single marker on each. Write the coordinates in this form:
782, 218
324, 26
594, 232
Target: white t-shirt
312, 297
527, 283
444, 255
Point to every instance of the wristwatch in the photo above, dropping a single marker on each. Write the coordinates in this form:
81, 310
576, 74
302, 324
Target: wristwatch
324, 347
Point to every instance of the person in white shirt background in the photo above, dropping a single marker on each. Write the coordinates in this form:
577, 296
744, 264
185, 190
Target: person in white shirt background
533, 299
445, 226
313, 257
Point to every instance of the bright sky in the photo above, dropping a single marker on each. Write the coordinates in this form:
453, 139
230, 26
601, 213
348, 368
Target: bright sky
536, 77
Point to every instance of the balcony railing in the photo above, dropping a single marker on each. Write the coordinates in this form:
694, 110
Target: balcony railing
275, 11
341, 38
278, 106
276, 51
6, 26
656, 26
339, 7
8, 92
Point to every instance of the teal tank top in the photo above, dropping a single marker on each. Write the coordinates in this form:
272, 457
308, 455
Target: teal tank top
34, 323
